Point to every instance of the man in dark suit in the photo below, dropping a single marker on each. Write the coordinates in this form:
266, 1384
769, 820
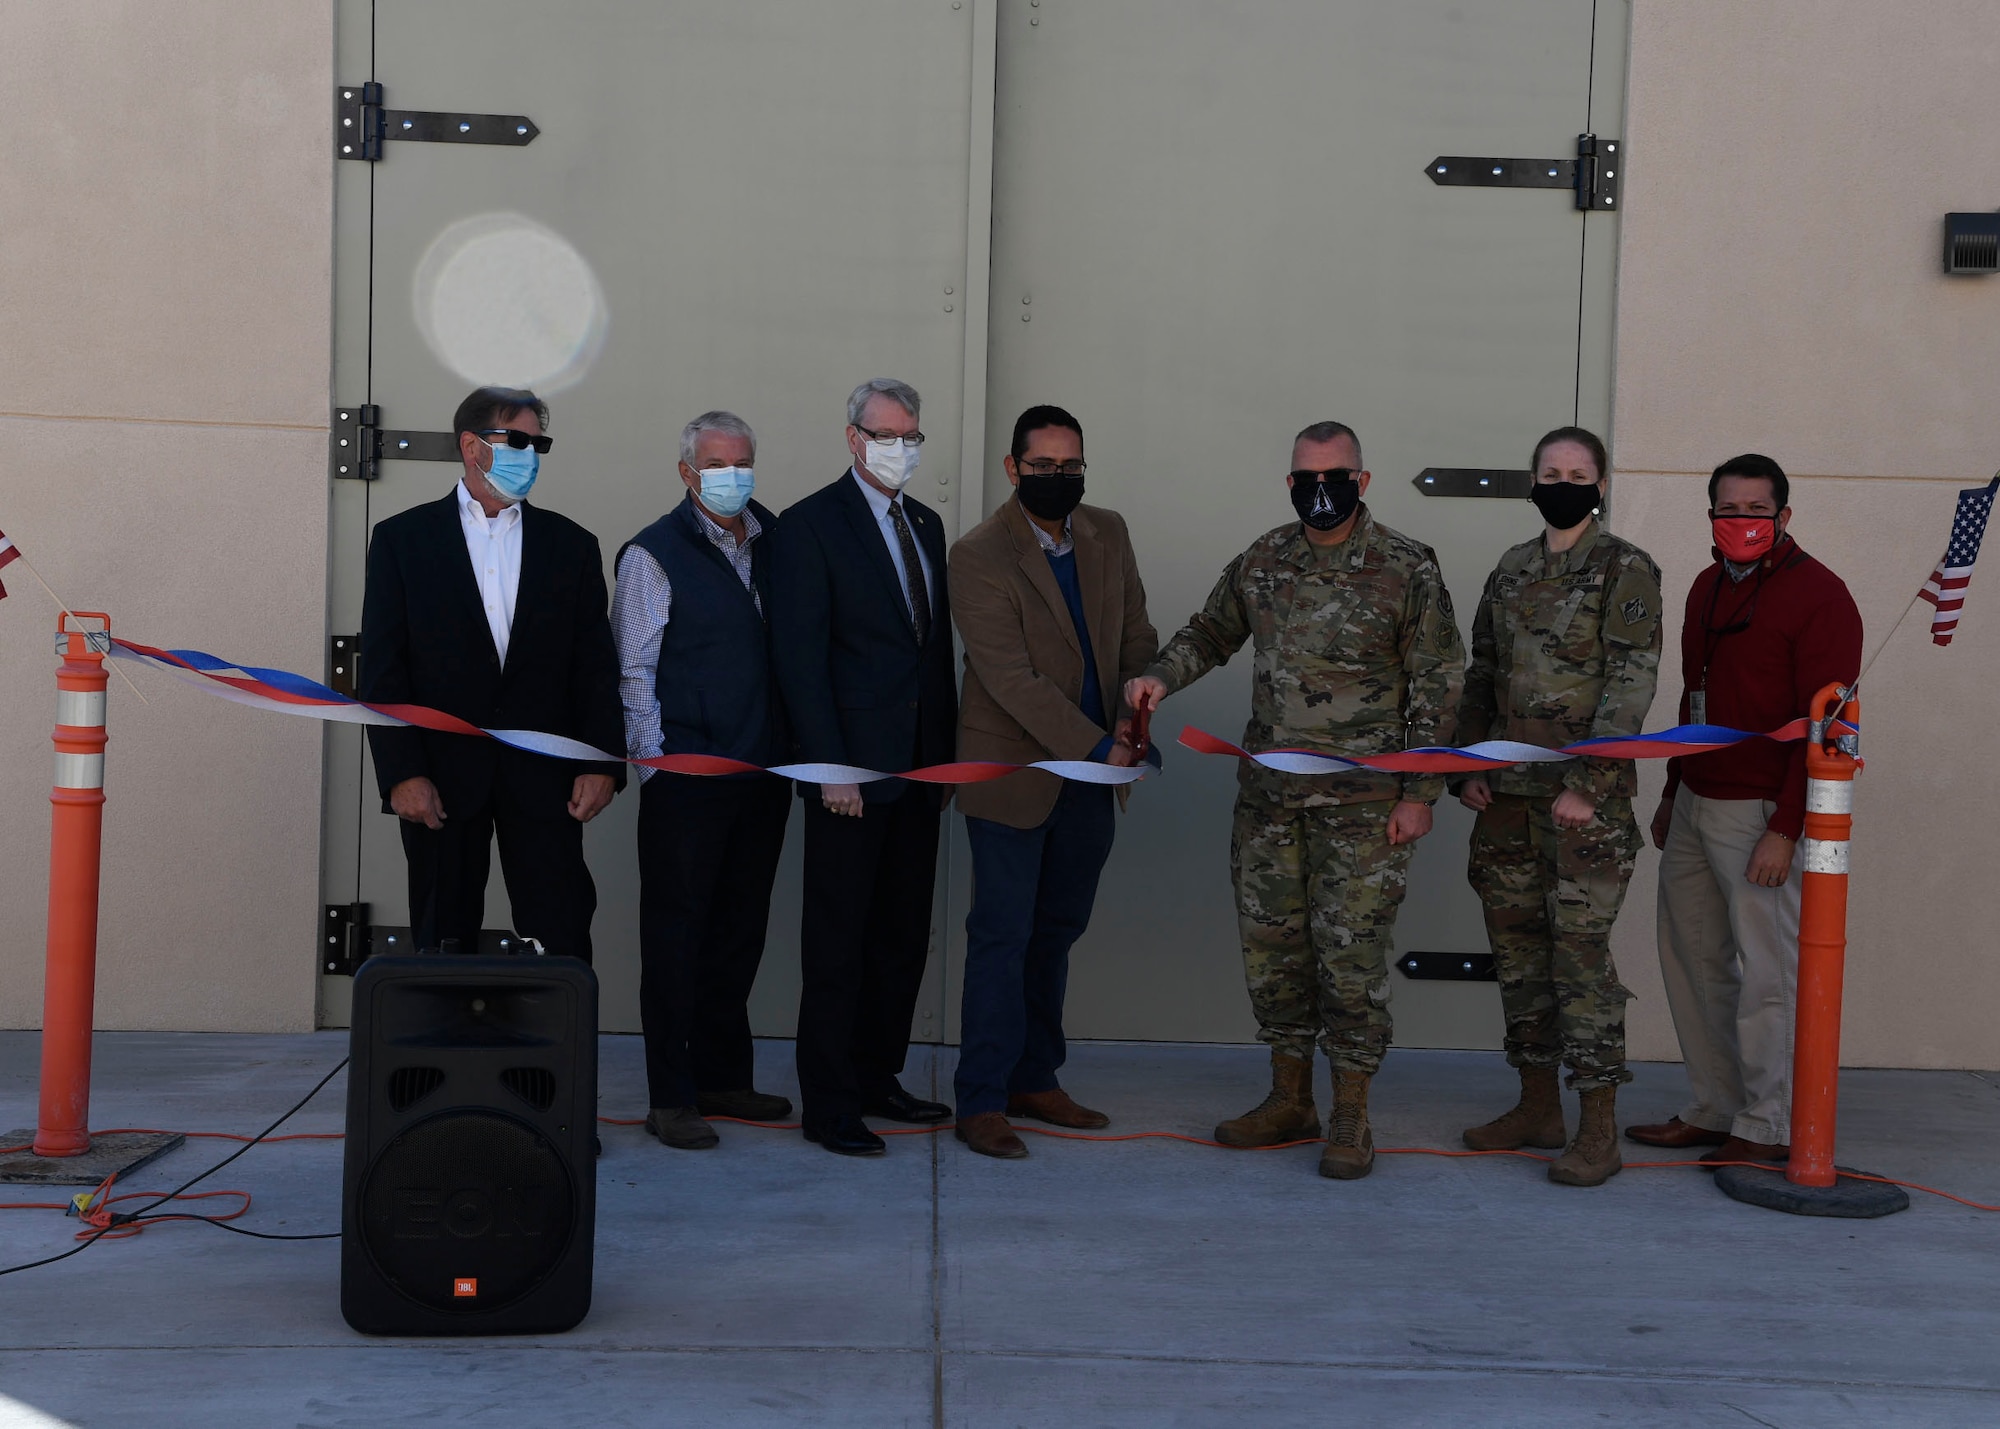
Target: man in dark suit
861, 635
493, 610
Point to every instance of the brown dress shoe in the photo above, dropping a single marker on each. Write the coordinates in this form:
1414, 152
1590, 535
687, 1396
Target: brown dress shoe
987, 1133
1057, 1109
1735, 1148
1675, 1135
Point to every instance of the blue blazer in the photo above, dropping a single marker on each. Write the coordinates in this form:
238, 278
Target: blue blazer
858, 688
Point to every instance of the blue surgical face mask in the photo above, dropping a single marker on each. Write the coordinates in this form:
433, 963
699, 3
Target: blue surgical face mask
513, 471
725, 490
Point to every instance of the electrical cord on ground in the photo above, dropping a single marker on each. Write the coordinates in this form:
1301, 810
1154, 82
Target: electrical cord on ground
116, 1223
1777, 1166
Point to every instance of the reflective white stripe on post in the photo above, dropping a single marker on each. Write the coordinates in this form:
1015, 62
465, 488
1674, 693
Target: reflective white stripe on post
83, 709
1826, 856
1829, 796
79, 771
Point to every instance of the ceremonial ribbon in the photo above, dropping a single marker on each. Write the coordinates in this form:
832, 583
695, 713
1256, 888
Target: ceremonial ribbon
1500, 753
286, 693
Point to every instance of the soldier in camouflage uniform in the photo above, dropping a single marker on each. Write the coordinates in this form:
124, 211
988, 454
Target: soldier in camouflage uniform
1357, 653
1565, 647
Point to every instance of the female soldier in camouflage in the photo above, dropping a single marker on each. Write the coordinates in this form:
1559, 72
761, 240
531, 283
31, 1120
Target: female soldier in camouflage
1565, 646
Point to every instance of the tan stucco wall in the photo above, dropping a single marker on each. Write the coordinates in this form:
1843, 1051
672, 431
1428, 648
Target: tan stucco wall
1780, 291
165, 279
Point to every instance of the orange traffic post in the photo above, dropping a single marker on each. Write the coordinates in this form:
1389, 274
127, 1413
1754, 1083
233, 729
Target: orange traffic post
1812, 1185
75, 844
1830, 772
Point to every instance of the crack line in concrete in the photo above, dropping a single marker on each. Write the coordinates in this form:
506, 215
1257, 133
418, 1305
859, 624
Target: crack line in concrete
937, 1273
1385, 1366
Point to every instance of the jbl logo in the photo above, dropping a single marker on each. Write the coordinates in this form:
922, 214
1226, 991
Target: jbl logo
465, 1287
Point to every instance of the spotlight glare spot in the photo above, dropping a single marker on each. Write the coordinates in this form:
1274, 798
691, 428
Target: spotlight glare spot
504, 300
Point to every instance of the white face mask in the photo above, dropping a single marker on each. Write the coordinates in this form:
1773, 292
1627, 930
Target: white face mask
891, 463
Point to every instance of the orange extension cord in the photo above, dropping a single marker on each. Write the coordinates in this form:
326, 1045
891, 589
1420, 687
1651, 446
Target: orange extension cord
96, 1214
1316, 1140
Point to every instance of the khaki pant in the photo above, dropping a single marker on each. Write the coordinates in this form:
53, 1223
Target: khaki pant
1729, 951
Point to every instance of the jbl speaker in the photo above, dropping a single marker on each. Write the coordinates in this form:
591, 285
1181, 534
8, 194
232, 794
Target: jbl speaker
469, 1198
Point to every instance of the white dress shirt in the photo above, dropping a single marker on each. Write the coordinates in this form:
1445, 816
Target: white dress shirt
494, 543
879, 504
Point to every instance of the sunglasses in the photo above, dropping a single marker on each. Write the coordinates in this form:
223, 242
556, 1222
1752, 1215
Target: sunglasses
521, 441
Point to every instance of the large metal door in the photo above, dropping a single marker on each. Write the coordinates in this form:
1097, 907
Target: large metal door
748, 204
1212, 225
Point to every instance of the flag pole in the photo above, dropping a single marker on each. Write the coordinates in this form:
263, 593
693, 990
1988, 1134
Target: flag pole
115, 669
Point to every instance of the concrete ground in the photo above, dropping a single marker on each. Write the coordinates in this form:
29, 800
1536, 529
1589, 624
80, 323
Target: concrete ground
1133, 1284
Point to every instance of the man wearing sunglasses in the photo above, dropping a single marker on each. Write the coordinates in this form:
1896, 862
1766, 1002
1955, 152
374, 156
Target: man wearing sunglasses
1047, 597
493, 610
1358, 653
1766, 628
861, 640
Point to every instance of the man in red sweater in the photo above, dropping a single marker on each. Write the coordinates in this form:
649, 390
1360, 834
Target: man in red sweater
1766, 628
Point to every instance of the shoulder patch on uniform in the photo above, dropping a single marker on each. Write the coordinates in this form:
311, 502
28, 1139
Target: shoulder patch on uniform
1634, 610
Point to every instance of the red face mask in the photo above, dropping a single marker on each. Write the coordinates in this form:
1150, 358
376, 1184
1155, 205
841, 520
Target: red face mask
1743, 539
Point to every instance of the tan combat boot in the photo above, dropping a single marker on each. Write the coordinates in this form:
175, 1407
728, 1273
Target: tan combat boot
1350, 1146
1592, 1159
1287, 1114
1537, 1120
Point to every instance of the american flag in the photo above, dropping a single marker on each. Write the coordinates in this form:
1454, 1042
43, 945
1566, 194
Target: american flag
7, 554
1946, 587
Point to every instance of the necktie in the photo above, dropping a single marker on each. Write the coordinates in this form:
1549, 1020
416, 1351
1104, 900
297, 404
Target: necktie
913, 571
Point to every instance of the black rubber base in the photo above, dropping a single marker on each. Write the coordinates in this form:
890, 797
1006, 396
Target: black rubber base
1846, 1197
121, 1152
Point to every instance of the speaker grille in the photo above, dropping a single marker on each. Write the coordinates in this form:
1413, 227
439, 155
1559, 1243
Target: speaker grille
534, 1085
410, 1085
467, 1197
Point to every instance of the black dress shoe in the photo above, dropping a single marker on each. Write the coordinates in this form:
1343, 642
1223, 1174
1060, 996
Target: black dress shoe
847, 1136
899, 1105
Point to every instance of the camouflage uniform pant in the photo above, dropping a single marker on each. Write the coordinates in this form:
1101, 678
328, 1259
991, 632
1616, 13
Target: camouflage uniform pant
1316, 897
1551, 896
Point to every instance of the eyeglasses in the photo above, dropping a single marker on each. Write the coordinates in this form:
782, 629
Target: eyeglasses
521, 441
908, 439
1051, 468
1335, 474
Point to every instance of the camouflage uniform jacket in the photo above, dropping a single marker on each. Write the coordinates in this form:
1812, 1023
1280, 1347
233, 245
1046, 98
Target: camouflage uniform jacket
1357, 652
1564, 647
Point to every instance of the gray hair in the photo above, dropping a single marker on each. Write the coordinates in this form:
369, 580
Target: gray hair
727, 423
901, 393
1331, 432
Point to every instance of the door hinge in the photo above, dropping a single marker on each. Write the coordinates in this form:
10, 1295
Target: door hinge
1593, 176
350, 940
1448, 967
343, 674
344, 941
361, 125
359, 444
1473, 481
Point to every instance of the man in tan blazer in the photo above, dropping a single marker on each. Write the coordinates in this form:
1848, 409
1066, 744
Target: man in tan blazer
1048, 601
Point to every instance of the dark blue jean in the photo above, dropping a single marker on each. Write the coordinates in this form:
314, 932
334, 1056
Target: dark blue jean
1032, 891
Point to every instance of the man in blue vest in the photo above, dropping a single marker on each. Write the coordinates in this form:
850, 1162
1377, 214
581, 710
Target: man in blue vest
695, 677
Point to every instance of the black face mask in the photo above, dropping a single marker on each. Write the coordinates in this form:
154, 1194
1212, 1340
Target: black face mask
1050, 495
1564, 504
1325, 499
